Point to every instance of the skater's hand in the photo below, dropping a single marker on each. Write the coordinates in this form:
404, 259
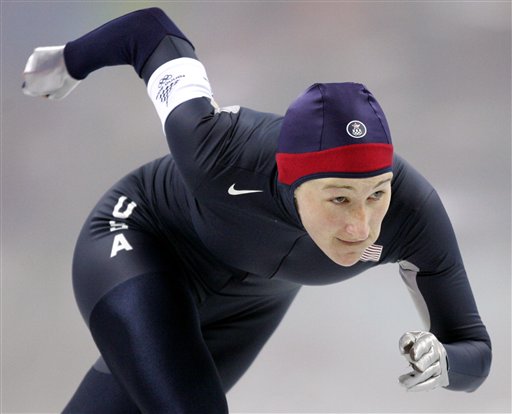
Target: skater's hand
46, 74
427, 357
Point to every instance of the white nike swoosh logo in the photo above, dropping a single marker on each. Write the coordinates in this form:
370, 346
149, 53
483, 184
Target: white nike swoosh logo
234, 192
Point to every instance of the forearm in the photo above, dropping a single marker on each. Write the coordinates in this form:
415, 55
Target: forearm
131, 39
436, 277
469, 363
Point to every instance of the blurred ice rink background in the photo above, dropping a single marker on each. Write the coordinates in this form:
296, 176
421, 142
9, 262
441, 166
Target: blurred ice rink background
441, 71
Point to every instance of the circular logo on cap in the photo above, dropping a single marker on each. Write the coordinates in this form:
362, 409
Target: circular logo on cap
356, 129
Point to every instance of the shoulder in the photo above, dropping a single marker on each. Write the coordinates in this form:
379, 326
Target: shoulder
422, 231
259, 124
410, 188
253, 140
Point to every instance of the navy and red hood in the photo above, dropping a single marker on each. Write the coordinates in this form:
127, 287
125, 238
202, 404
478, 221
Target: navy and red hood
333, 130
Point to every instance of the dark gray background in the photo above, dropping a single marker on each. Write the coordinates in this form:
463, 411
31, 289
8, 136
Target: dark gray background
441, 71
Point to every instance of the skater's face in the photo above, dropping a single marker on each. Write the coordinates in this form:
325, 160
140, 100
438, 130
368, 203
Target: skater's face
343, 216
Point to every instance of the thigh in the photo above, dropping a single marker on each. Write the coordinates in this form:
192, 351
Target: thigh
135, 296
148, 332
117, 243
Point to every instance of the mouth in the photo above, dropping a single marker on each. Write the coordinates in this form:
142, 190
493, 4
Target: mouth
357, 243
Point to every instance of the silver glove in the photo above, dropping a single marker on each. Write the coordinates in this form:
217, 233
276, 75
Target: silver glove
46, 74
427, 356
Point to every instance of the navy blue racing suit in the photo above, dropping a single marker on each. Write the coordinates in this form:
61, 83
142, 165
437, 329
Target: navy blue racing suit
186, 266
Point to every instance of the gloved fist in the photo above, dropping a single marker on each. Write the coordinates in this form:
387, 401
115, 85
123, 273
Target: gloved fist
427, 357
46, 74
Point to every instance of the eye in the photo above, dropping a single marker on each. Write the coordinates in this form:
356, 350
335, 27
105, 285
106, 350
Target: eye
339, 200
377, 195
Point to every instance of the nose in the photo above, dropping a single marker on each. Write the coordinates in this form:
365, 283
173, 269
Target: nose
357, 227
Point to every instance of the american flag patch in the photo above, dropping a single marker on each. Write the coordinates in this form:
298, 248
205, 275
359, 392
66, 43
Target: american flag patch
372, 253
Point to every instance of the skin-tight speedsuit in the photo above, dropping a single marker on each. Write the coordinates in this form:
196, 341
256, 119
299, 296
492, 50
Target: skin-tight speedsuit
186, 266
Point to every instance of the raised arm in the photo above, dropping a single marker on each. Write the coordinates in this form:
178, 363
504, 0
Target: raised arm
158, 51
128, 40
160, 54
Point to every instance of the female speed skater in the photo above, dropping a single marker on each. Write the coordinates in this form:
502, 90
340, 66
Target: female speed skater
187, 265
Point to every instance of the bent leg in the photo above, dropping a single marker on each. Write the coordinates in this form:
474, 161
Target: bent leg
148, 332
236, 325
100, 393
133, 293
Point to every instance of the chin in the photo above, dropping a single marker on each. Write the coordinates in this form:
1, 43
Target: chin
346, 260
347, 263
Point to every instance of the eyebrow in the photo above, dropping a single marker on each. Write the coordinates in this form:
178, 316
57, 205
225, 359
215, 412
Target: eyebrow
349, 187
